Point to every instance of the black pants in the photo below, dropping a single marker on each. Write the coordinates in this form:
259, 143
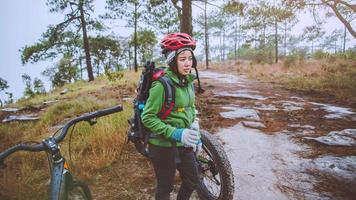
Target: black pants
165, 162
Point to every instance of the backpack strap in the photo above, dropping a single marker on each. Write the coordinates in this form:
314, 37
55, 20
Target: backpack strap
169, 97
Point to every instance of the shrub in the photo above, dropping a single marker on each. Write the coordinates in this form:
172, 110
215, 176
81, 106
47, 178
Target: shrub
289, 61
349, 54
319, 54
114, 76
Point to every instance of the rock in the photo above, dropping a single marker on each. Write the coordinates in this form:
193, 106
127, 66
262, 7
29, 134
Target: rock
127, 99
28, 117
49, 102
335, 112
242, 94
10, 109
345, 137
64, 91
340, 167
251, 124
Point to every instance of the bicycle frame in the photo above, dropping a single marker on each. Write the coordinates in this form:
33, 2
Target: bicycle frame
61, 179
57, 163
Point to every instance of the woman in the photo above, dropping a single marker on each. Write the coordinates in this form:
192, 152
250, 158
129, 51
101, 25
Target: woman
176, 139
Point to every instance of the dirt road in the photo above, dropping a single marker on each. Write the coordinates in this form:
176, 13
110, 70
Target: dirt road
281, 145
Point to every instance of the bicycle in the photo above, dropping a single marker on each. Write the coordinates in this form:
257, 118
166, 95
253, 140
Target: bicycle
217, 179
62, 185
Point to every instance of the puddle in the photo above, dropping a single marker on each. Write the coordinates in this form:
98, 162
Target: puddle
241, 94
28, 117
297, 98
236, 113
334, 111
257, 159
223, 78
292, 106
310, 127
265, 107
345, 137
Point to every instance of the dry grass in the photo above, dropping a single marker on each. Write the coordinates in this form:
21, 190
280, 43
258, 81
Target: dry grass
334, 77
93, 148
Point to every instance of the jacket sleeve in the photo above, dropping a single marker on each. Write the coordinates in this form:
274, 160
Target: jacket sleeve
152, 107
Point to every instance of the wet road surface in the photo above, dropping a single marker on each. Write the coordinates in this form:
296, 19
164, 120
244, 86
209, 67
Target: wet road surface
281, 145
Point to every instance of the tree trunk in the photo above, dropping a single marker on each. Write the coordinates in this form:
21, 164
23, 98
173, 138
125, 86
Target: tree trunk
264, 35
235, 40
186, 21
81, 67
276, 40
135, 37
206, 38
239, 38
255, 38
223, 45
220, 48
344, 45
97, 68
285, 38
130, 57
86, 42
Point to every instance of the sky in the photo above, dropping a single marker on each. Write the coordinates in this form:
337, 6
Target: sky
23, 21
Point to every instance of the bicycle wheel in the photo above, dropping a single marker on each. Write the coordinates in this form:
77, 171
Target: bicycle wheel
79, 191
217, 180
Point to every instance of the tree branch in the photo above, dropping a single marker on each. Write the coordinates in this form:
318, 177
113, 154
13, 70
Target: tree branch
179, 9
341, 18
352, 7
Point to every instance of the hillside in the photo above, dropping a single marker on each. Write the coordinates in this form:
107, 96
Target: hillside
99, 154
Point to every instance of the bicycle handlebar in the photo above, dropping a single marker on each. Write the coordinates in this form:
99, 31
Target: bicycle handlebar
60, 137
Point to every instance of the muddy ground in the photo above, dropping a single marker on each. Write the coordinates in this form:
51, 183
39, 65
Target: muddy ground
279, 142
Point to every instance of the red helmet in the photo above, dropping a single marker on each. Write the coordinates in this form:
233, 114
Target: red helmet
174, 41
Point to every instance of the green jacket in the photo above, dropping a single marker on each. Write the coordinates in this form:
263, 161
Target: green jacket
182, 115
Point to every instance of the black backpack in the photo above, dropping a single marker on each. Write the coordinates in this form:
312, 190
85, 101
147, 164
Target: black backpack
138, 133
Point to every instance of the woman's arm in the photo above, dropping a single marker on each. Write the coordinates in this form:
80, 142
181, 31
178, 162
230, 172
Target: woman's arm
152, 107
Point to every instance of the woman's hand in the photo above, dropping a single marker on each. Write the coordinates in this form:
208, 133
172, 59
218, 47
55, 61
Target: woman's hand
188, 137
195, 125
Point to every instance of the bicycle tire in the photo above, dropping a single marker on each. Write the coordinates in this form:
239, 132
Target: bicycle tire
79, 191
213, 160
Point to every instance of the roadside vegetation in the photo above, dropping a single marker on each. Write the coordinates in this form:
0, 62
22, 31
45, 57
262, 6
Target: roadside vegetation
332, 75
94, 149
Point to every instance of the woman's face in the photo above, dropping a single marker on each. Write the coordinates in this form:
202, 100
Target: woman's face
184, 62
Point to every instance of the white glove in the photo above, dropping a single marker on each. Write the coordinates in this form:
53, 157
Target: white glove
198, 148
190, 138
195, 125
